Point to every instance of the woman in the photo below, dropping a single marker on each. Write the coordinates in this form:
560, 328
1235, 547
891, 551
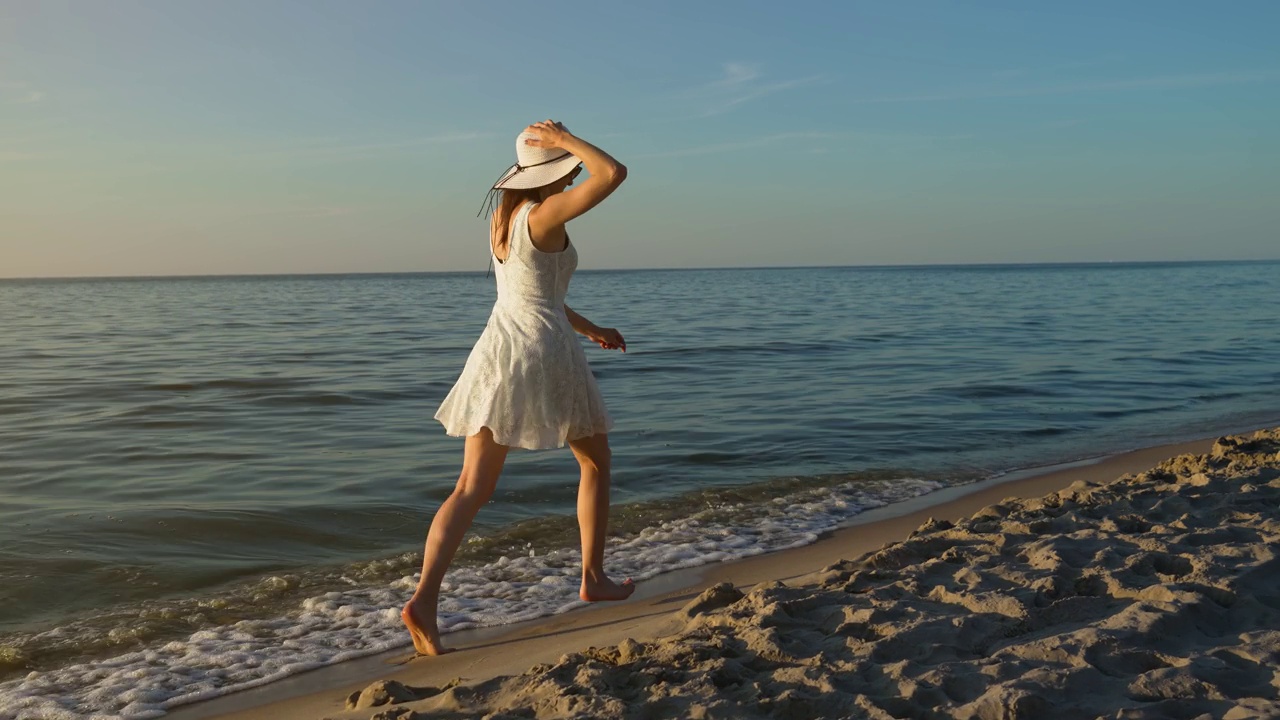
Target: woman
527, 383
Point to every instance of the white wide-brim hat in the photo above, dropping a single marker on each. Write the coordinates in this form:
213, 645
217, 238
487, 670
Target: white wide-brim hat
536, 166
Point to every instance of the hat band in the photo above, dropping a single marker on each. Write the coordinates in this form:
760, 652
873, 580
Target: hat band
520, 167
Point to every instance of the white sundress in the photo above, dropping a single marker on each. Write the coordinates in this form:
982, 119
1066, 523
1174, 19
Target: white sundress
527, 378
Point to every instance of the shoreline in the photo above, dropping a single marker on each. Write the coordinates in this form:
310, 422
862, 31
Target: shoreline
510, 650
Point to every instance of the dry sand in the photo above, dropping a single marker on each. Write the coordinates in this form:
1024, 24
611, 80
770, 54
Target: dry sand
1149, 596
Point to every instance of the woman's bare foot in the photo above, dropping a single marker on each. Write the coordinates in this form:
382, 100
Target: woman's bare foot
602, 588
426, 637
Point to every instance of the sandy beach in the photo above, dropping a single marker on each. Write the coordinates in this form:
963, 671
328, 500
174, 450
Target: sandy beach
1141, 586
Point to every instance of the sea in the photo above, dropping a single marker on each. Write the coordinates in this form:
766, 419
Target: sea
211, 483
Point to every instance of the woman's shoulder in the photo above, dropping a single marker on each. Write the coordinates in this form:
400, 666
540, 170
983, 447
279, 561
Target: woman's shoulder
549, 239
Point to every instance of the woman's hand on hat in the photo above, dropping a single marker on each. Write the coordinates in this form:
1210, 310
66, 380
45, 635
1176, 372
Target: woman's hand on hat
550, 134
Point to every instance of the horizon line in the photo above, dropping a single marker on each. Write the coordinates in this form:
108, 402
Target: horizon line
883, 266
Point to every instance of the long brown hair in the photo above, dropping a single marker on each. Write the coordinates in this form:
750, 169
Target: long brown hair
512, 198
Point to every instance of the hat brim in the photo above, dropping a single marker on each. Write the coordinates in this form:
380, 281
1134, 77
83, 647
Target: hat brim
537, 176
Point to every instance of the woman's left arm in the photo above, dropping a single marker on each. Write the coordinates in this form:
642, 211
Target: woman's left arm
607, 338
580, 324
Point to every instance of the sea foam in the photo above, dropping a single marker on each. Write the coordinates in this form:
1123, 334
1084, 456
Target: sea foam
338, 626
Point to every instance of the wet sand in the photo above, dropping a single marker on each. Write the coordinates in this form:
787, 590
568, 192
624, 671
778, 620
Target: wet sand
1108, 589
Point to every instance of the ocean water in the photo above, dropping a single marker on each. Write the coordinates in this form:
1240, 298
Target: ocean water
211, 483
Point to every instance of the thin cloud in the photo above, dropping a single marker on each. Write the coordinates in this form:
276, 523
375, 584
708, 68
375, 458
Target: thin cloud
736, 74
20, 93
309, 211
828, 145
759, 92
1068, 65
738, 145
332, 150
1165, 81
741, 84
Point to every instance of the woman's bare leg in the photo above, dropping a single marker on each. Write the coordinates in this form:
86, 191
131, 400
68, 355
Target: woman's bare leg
594, 458
482, 463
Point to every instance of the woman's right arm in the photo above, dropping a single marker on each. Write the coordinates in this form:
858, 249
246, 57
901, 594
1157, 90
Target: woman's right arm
604, 175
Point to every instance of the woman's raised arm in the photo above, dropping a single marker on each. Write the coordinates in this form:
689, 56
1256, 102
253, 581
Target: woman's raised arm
604, 176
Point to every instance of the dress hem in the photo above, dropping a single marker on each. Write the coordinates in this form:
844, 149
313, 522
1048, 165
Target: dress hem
510, 439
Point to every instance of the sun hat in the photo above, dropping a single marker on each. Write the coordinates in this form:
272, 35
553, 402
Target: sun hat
534, 167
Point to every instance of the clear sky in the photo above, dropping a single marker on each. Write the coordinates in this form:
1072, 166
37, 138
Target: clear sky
185, 137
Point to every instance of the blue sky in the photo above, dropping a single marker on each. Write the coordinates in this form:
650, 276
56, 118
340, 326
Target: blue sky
270, 137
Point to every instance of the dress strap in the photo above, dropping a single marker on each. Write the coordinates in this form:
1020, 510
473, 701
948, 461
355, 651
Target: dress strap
520, 230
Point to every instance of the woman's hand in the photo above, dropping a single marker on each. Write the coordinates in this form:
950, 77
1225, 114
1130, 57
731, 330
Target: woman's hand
550, 134
609, 339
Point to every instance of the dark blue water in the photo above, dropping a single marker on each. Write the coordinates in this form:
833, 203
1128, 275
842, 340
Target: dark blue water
168, 441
